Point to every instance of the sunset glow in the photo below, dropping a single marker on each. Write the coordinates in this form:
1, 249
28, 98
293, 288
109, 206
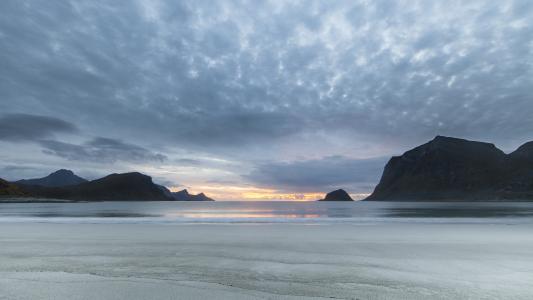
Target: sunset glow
239, 193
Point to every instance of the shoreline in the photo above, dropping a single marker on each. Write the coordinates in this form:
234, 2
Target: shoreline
37, 200
45, 200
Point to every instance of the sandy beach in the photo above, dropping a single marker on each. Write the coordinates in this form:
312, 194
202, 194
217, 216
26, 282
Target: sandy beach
266, 261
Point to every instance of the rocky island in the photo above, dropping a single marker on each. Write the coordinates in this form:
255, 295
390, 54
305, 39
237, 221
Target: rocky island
337, 195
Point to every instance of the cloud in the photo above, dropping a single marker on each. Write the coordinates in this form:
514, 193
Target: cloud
320, 175
188, 162
10, 168
277, 81
232, 74
101, 150
26, 127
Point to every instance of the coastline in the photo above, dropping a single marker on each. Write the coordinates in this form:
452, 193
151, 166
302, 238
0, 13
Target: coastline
45, 200
49, 200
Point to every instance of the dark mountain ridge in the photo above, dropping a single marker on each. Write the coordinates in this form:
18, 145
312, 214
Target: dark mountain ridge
58, 178
132, 186
184, 195
449, 168
8, 189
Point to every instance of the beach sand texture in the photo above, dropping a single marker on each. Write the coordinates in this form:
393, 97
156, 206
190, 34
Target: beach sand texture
266, 261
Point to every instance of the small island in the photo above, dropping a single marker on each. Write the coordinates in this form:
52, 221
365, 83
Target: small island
337, 195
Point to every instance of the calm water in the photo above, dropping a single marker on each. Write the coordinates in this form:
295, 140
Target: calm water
266, 212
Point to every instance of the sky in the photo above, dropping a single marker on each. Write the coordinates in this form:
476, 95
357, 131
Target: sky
256, 100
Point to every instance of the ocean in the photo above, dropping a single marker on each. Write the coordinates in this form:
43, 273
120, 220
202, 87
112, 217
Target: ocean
358, 212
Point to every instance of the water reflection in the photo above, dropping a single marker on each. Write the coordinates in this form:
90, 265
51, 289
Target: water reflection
175, 212
249, 215
93, 215
460, 211
339, 212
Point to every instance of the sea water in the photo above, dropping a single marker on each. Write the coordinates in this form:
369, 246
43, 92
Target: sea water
267, 212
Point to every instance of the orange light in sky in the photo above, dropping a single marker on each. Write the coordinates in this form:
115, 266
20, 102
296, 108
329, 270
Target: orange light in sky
251, 193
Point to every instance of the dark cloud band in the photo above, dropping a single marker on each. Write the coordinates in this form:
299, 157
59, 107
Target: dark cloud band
26, 127
101, 150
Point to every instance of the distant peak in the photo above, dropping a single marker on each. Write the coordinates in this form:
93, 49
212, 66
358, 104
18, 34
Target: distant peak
446, 141
184, 195
524, 150
136, 176
526, 147
135, 173
62, 177
130, 174
62, 172
442, 138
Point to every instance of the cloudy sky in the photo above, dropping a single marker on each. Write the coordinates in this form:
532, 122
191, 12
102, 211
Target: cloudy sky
256, 99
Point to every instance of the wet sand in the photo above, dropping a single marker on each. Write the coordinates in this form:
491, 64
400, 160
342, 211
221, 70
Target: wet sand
266, 261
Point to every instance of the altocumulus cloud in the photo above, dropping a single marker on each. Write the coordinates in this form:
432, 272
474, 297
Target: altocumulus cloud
234, 73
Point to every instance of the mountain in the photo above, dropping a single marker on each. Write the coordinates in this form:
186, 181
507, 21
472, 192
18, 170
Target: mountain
115, 187
449, 168
337, 195
520, 173
165, 191
8, 189
56, 179
184, 195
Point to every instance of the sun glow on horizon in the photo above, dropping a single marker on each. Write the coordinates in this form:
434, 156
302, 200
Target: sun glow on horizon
251, 193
